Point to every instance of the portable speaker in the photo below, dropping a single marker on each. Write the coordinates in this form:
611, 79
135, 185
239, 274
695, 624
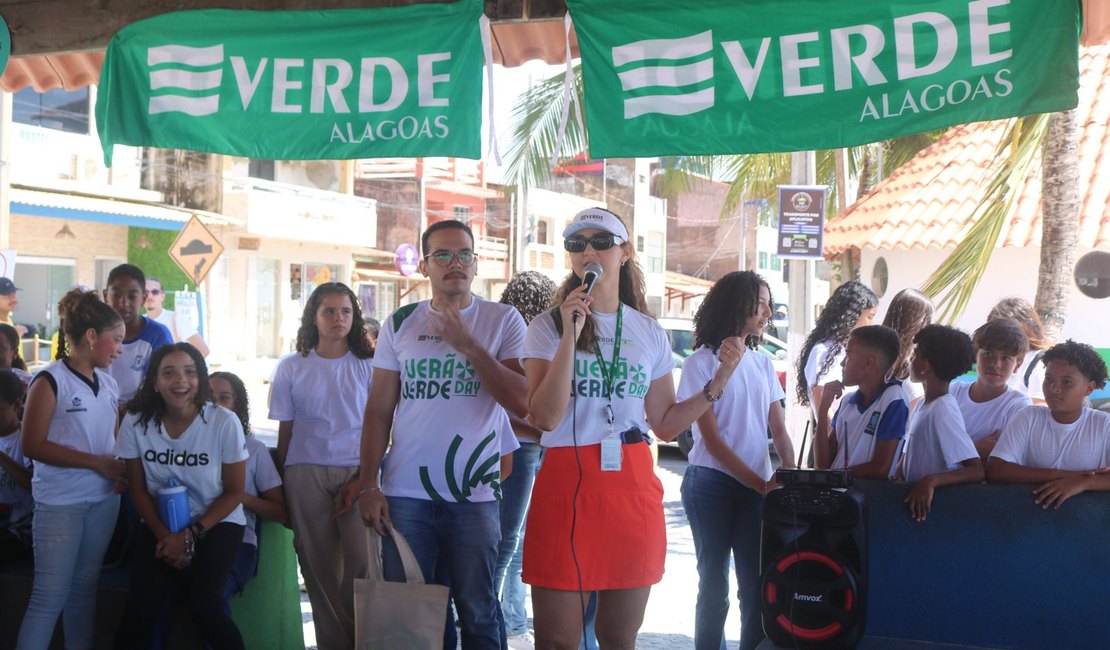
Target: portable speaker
814, 567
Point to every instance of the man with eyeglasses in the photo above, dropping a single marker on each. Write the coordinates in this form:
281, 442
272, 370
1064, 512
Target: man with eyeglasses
178, 325
445, 372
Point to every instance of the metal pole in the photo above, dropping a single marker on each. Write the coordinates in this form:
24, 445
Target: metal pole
803, 171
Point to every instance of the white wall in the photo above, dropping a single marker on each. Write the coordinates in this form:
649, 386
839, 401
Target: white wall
1012, 272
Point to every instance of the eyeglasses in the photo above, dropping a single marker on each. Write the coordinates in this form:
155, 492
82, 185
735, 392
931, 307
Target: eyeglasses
602, 241
155, 292
446, 258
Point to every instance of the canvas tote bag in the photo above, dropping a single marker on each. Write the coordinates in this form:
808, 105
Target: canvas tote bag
398, 615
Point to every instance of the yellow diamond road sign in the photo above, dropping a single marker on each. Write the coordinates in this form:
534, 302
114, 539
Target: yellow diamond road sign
195, 250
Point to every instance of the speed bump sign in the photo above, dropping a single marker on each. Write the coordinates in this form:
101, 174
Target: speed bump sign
195, 250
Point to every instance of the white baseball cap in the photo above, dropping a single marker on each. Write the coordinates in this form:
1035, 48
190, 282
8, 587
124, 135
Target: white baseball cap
599, 218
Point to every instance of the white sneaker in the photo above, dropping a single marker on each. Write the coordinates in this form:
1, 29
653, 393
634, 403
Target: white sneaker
521, 641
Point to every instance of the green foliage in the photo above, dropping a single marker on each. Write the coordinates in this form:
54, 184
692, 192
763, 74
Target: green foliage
536, 127
952, 284
155, 261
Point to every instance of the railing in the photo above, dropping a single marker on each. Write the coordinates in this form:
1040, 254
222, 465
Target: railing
40, 352
493, 248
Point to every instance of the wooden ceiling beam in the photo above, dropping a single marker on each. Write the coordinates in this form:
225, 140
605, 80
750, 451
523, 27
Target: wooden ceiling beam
58, 26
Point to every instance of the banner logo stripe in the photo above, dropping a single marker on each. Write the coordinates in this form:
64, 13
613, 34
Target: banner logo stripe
195, 106
197, 57
664, 48
669, 104
185, 80
670, 76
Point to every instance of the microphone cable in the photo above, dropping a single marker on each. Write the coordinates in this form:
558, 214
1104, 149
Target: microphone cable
582, 601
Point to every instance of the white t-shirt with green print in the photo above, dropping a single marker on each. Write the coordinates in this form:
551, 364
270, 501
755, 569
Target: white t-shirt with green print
645, 356
448, 431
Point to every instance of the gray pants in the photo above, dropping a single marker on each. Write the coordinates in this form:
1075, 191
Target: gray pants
332, 552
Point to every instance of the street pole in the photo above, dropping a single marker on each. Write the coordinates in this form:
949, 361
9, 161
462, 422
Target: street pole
803, 171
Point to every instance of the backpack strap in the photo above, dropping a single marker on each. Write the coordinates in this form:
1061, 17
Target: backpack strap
1032, 367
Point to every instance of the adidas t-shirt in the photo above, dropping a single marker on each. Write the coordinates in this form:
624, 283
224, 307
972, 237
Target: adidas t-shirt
129, 368
858, 426
447, 428
11, 493
262, 475
325, 399
645, 356
196, 458
741, 413
936, 441
85, 420
984, 418
1033, 439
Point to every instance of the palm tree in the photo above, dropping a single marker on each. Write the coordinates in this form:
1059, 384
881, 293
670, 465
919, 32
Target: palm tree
536, 119
535, 134
1048, 139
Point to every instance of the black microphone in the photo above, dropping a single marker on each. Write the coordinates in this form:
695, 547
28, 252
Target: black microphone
590, 275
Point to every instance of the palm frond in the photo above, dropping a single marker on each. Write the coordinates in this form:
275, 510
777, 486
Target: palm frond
952, 284
536, 130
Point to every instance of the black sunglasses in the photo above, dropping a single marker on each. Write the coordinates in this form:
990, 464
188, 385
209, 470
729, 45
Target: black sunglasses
602, 241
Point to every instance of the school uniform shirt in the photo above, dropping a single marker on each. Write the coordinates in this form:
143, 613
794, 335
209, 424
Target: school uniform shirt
1034, 439
858, 425
741, 413
85, 420
645, 356
817, 355
180, 328
448, 430
1028, 379
936, 440
325, 399
262, 475
196, 458
130, 366
984, 418
11, 493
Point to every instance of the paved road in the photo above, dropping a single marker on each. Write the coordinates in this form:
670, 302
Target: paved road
669, 620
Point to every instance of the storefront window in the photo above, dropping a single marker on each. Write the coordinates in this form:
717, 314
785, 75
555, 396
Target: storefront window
62, 110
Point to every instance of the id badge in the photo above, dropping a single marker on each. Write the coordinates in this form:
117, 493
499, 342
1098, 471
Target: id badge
611, 454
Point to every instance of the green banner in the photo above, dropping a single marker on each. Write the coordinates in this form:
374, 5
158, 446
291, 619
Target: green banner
298, 85
722, 77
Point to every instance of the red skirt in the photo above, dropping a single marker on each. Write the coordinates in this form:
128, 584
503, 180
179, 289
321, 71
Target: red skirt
620, 536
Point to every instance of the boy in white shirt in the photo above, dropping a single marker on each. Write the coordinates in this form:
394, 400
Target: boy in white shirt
987, 404
869, 422
1063, 447
938, 450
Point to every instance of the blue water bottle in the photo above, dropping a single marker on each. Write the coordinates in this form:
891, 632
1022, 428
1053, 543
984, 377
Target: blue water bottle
173, 504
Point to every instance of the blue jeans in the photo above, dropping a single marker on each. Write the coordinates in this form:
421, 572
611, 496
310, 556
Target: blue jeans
725, 517
464, 537
69, 543
516, 493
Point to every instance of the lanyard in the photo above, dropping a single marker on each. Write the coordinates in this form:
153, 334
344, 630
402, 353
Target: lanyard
609, 379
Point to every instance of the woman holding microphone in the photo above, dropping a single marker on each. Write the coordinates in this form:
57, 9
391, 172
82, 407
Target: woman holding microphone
596, 520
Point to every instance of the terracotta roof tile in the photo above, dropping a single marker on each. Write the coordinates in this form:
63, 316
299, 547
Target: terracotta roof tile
929, 201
